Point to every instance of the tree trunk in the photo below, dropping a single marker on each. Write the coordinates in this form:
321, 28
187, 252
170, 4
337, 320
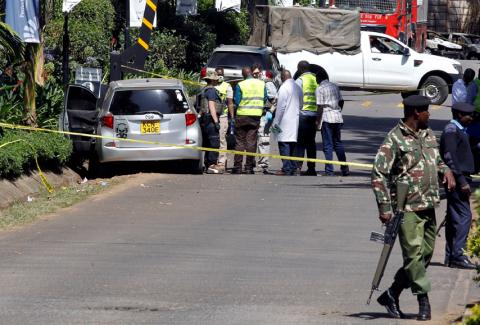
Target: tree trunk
33, 74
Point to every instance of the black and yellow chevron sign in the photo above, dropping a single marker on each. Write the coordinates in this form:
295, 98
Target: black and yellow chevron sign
147, 24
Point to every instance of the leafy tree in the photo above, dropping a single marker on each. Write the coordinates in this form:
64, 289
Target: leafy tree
90, 28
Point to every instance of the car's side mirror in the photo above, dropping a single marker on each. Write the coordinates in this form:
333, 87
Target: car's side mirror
406, 51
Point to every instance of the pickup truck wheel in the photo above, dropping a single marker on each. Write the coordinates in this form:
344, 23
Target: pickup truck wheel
406, 94
436, 89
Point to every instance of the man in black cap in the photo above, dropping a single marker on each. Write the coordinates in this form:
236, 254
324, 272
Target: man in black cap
409, 156
456, 152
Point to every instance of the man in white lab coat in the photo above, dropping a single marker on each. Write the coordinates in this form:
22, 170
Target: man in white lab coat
285, 123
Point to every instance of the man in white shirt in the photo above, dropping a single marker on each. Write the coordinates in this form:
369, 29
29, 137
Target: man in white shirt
329, 105
285, 123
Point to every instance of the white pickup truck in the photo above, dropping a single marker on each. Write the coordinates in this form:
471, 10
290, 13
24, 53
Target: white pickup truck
383, 64
331, 39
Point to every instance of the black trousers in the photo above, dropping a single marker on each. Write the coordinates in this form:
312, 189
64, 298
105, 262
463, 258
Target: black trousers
246, 129
211, 139
457, 226
307, 131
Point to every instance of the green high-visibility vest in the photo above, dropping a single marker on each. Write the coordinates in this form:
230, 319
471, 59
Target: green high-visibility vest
476, 102
253, 95
309, 85
222, 90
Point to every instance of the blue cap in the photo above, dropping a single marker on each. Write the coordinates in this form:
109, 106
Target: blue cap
463, 108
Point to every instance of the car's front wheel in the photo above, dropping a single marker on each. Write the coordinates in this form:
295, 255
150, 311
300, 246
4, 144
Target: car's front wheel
435, 88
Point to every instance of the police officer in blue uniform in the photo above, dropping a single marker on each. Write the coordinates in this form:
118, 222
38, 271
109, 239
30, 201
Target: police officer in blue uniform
456, 152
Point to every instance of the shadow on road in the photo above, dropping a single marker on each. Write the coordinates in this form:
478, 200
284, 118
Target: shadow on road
331, 186
370, 316
366, 134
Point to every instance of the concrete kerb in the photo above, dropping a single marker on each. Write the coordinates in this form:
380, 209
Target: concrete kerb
26, 185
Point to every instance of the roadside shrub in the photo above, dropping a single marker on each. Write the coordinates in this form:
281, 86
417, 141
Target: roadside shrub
11, 106
473, 249
474, 318
52, 150
49, 100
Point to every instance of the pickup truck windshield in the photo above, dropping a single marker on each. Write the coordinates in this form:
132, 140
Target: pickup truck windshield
165, 101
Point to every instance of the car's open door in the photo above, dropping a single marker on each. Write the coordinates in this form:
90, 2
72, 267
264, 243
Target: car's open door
79, 115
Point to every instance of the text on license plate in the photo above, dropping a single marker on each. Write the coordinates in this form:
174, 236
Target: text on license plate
149, 127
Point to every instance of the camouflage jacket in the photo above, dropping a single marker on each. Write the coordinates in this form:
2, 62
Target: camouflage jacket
412, 158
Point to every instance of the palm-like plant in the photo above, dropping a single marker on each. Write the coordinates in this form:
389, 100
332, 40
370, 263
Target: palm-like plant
11, 44
30, 56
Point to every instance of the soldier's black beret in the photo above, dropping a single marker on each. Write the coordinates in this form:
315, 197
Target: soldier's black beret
420, 103
463, 108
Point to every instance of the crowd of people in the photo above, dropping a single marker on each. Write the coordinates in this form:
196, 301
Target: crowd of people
255, 109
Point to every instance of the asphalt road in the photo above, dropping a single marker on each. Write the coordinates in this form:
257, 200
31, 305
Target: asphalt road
221, 249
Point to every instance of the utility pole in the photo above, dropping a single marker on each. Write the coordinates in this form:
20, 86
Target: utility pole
66, 51
127, 23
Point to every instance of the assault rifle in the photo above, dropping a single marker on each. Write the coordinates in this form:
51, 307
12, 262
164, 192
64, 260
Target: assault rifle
388, 238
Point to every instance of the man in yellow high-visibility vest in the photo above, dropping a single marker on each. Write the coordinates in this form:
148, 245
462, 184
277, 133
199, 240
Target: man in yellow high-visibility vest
307, 128
249, 97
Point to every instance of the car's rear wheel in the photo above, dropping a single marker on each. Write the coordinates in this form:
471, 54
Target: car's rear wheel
435, 88
96, 169
194, 166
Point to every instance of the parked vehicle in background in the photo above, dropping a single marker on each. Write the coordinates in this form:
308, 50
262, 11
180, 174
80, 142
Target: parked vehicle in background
469, 42
439, 45
232, 58
405, 20
353, 59
150, 110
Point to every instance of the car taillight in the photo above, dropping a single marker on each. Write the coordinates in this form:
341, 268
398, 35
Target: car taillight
107, 120
269, 74
203, 72
190, 118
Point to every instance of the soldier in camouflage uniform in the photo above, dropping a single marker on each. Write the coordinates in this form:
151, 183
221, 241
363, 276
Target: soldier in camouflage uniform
409, 154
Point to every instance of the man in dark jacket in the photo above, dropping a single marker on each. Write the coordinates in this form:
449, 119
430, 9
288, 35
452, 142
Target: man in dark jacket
456, 152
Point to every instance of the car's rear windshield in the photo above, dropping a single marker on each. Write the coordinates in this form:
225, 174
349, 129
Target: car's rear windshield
165, 101
235, 60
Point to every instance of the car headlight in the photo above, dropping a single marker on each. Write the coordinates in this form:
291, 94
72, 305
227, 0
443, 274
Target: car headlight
458, 67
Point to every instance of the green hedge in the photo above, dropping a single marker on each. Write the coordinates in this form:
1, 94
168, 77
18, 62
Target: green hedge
52, 150
473, 249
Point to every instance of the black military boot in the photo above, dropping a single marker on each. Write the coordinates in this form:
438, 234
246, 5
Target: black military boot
387, 299
424, 312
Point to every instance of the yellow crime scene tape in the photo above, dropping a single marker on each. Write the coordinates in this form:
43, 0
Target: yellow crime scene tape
234, 152
44, 180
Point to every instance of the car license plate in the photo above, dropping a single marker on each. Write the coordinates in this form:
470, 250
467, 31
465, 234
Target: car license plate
149, 127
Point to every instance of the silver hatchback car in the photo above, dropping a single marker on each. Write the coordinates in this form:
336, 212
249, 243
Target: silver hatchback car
150, 110
156, 113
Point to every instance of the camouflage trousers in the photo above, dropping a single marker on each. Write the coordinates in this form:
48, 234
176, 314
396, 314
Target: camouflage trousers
417, 240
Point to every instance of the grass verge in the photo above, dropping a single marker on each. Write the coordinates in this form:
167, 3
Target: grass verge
21, 213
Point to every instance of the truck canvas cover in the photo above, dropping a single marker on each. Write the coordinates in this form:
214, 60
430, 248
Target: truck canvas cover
294, 29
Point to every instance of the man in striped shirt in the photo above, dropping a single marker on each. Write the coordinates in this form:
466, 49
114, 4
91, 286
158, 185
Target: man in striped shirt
330, 104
